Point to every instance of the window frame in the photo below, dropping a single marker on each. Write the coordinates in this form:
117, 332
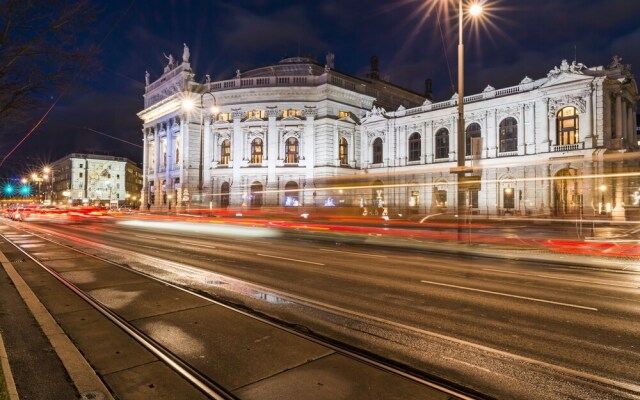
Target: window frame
343, 151
377, 151
415, 146
225, 156
565, 134
442, 145
508, 135
470, 134
291, 150
257, 157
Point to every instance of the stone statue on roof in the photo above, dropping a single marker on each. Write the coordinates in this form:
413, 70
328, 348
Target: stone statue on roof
171, 64
330, 57
185, 53
147, 78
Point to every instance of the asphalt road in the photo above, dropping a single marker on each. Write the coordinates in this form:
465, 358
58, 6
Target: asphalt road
509, 329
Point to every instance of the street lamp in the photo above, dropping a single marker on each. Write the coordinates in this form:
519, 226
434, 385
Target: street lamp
601, 210
188, 105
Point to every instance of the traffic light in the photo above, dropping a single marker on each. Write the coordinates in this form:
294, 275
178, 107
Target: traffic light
8, 189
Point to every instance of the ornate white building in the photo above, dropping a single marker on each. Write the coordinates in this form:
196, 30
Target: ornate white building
300, 134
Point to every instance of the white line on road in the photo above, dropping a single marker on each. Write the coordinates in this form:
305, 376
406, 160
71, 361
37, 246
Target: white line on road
206, 246
511, 295
146, 236
290, 259
632, 286
353, 252
156, 248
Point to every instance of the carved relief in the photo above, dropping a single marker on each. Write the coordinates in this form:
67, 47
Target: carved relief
372, 135
236, 113
556, 104
222, 136
310, 112
290, 133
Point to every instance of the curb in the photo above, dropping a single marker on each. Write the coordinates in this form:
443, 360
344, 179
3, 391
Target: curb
82, 374
6, 370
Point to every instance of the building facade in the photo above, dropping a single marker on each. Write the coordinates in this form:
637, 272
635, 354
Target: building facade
93, 179
300, 134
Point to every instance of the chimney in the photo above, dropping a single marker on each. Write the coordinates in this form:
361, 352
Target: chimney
428, 91
374, 74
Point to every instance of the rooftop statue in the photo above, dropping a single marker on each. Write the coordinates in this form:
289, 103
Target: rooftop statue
185, 53
172, 63
147, 78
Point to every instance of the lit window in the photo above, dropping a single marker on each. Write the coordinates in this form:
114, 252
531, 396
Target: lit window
508, 198
442, 143
415, 148
291, 194
290, 113
291, 146
223, 117
344, 114
224, 195
508, 135
259, 114
343, 149
567, 122
225, 152
377, 151
256, 151
473, 131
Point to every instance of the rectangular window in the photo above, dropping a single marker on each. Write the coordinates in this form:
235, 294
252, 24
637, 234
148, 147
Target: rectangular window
291, 113
80, 165
441, 198
224, 117
255, 114
474, 198
344, 114
81, 175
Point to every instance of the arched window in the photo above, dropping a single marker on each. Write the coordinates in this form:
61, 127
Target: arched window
256, 194
256, 151
473, 131
508, 135
442, 143
377, 151
291, 194
567, 123
291, 151
225, 152
224, 194
415, 148
343, 151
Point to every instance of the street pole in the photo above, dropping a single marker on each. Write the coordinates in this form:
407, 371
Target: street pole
214, 110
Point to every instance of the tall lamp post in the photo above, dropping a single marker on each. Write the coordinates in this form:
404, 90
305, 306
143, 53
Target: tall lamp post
188, 105
460, 169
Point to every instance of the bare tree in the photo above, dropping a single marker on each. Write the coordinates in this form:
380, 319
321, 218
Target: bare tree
43, 45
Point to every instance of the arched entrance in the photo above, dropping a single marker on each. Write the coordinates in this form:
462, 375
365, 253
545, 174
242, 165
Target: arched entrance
567, 193
224, 195
291, 194
256, 195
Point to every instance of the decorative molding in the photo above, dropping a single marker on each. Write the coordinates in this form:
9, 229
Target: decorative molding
236, 113
310, 112
558, 103
272, 112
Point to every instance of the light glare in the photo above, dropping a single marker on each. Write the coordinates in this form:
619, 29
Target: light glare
187, 104
475, 10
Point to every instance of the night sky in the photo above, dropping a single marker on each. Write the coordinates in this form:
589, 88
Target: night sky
518, 38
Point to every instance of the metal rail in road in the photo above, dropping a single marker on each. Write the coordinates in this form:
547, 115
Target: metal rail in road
198, 379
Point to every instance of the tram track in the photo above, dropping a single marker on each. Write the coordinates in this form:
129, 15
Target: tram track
193, 375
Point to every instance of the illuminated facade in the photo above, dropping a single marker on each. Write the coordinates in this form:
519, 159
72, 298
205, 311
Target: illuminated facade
95, 179
559, 145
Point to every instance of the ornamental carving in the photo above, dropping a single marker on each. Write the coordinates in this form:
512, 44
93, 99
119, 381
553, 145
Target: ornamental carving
237, 113
372, 135
290, 133
272, 112
560, 102
255, 134
508, 112
343, 133
222, 136
310, 112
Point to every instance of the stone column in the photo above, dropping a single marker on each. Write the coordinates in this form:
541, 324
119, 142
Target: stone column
168, 167
145, 169
607, 123
156, 168
521, 129
530, 134
309, 138
453, 139
618, 132
618, 212
623, 122
632, 141
491, 134
271, 141
587, 123
207, 157
237, 148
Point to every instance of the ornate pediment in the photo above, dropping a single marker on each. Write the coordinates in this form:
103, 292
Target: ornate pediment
566, 68
372, 135
558, 103
223, 135
376, 114
287, 133
254, 133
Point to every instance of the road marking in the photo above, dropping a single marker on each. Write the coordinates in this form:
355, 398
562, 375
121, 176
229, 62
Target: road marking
155, 248
352, 252
563, 279
146, 236
512, 295
199, 245
290, 259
